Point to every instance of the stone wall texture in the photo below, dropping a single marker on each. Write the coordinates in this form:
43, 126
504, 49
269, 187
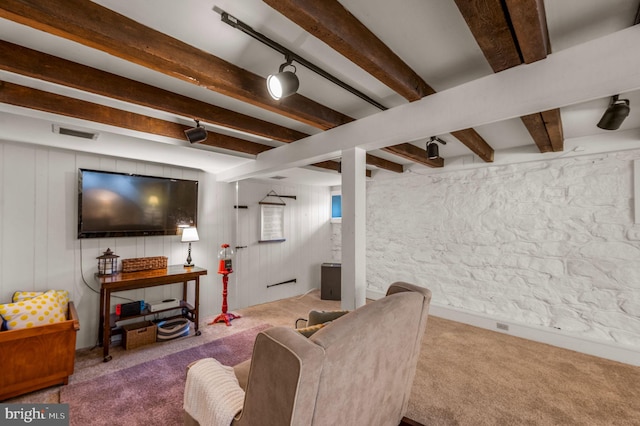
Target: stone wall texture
550, 244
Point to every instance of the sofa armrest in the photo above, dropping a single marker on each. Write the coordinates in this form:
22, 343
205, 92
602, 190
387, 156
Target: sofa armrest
283, 378
73, 316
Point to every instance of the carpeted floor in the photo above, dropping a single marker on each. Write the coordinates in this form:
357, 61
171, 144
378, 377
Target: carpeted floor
465, 376
156, 387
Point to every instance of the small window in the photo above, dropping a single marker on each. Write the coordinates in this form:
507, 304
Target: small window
336, 207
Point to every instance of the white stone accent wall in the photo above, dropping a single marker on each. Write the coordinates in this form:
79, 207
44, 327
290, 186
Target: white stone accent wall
336, 242
549, 243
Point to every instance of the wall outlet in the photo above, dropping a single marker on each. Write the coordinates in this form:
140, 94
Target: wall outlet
502, 326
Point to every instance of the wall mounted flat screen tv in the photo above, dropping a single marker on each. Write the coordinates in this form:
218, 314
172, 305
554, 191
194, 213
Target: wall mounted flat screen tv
114, 204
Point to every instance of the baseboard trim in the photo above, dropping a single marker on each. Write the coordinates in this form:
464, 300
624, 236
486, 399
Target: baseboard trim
552, 337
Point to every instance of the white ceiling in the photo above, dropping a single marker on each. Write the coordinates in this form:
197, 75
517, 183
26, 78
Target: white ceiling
431, 36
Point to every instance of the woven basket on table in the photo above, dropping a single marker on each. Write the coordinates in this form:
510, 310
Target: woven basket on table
144, 263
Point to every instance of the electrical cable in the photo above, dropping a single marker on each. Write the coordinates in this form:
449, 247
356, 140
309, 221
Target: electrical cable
87, 284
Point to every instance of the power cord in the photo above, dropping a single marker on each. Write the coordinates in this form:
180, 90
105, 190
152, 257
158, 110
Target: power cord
87, 284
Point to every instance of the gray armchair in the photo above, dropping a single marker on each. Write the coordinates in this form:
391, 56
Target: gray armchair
357, 370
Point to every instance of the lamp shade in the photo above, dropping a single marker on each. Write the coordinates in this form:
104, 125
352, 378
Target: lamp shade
190, 235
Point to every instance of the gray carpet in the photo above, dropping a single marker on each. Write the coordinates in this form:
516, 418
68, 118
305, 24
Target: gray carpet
466, 375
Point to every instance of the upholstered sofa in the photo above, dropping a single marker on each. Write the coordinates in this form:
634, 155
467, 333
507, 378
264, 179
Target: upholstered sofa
357, 370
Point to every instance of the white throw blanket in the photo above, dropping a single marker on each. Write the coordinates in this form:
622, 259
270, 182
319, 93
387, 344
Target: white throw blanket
212, 395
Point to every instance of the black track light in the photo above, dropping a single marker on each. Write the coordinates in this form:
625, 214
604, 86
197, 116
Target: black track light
197, 134
614, 115
432, 147
283, 84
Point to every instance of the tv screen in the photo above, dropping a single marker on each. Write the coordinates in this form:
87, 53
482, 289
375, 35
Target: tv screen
127, 205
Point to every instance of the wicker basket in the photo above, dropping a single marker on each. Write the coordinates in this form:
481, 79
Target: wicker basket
138, 334
144, 263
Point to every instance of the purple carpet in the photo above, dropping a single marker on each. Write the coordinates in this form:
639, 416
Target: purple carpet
149, 393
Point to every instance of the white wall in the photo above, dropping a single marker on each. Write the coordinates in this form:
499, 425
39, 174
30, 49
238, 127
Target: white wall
550, 244
39, 249
307, 244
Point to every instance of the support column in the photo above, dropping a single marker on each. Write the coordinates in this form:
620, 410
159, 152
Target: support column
354, 265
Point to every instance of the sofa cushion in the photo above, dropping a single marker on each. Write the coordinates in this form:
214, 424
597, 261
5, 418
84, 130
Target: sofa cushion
46, 308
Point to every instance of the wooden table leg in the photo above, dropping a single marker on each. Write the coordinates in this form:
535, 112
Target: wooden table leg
196, 306
101, 322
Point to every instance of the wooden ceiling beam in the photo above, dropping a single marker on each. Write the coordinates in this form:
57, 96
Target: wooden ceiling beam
529, 22
511, 36
487, 21
93, 25
330, 22
336, 26
26, 97
553, 124
384, 164
42, 66
415, 154
475, 143
335, 166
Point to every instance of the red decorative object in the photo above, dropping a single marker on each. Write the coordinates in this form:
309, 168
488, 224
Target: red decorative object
225, 267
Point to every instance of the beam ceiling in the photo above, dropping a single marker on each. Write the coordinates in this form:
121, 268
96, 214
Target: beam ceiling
511, 35
330, 22
568, 77
95, 26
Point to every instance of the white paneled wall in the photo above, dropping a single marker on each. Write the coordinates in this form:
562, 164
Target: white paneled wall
39, 249
38, 227
307, 232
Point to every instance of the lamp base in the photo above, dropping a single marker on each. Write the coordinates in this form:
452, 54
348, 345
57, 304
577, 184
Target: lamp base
189, 265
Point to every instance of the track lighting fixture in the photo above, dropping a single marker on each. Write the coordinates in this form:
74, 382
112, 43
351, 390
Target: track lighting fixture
432, 147
614, 115
197, 134
283, 84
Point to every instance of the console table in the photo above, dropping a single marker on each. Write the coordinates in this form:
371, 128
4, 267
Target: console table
142, 279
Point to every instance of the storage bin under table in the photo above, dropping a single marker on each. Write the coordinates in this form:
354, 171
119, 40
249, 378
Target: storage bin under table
142, 279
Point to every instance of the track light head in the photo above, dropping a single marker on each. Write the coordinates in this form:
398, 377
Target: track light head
615, 114
197, 134
432, 148
432, 151
284, 83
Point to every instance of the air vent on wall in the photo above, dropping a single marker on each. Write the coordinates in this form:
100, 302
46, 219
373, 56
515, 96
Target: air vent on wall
75, 133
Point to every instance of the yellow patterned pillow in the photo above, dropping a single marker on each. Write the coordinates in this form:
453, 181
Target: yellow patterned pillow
63, 297
19, 296
40, 310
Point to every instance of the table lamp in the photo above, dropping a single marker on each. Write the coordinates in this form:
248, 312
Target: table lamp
189, 235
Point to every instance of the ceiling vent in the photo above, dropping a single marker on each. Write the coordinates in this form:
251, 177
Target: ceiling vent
278, 177
75, 133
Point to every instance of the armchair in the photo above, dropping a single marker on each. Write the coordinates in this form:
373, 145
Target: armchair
357, 370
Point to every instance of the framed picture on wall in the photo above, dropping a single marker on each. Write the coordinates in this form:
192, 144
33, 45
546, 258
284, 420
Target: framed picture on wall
271, 223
